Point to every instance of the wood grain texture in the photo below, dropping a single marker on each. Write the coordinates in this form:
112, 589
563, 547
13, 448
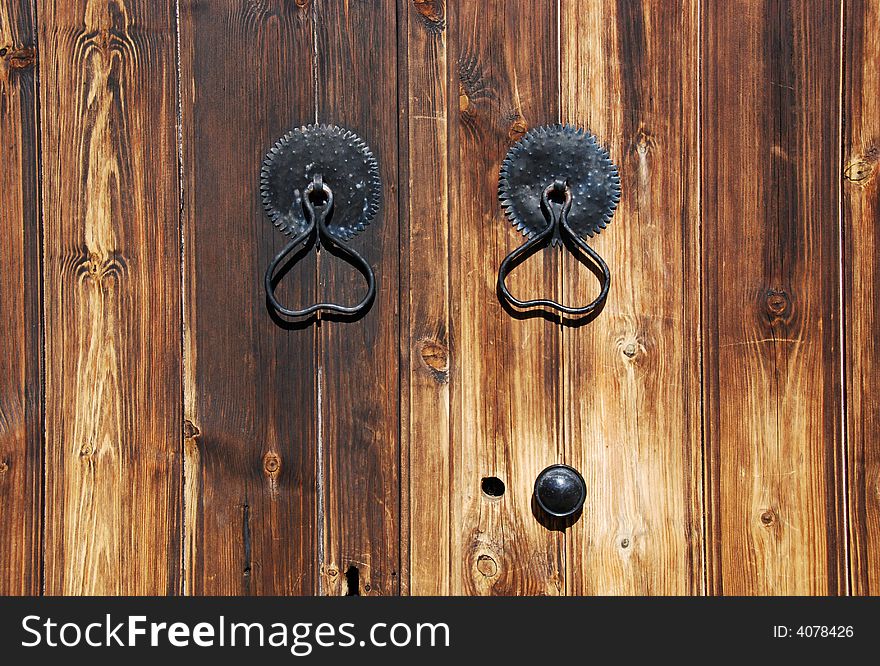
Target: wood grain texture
162, 433
504, 371
247, 76
20, 382
861, 262
111, 248
631, 395
425, 291
771, 195
356, 52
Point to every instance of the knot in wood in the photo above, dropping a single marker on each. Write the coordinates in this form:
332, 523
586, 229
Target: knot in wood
768, 517
464, 101
644, 142
778, 302
487, 566
430, 13
517, 129
271, 463
21, 58
190, 431
435, 357
859, 171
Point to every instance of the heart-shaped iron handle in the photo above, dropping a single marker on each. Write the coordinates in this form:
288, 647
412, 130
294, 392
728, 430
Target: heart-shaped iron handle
317, 232
556, 214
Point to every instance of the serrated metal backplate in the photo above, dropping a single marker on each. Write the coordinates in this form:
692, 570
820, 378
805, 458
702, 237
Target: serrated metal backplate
559, 152
346, 165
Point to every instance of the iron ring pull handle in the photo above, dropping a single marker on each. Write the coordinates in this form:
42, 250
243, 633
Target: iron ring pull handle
557, 226
318, 218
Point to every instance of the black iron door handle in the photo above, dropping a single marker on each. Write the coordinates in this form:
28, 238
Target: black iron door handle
316, 232
556, 213
557, 186
320, 184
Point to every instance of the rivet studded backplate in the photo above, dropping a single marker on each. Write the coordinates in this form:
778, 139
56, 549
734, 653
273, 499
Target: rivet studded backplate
559, 152
346, 165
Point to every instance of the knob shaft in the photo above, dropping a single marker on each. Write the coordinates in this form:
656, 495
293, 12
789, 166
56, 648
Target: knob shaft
560, 491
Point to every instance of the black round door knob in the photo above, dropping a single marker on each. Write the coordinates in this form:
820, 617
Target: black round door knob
560, 491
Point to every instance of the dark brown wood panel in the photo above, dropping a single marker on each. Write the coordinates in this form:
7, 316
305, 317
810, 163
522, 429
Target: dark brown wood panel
631, 393
771, 196
861, 262
358, 368
247, 76
20, 389
108, 87
425, 292
504, 370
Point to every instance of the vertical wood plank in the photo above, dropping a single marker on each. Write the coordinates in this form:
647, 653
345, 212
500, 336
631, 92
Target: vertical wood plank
861, 261
111, 248
631, 397
247, 76
771, 154
358, 368
20, 389
504, 370
425, 294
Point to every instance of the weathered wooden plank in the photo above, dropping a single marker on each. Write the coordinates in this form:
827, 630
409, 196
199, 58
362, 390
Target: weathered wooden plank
358, 368
504, 370
250, 392
112, 318
20, 390
771, 192
861, 262
631, 395
425, 295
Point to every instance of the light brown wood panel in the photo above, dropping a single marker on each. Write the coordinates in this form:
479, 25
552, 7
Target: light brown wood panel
631, 381
771, 196
112, 317
20, 386
250, 390
861, 304
356, 65
503, 371
425, 291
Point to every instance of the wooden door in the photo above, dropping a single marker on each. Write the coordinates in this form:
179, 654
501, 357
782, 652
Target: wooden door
162, 433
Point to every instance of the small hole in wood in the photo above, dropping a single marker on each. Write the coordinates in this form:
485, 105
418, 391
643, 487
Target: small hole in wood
492, 486
353, 582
